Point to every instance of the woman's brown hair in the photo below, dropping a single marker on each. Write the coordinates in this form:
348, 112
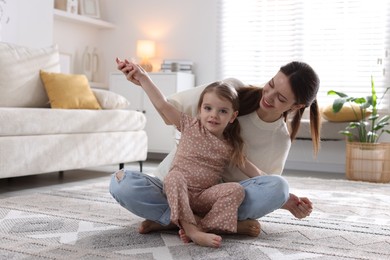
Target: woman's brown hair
304, 83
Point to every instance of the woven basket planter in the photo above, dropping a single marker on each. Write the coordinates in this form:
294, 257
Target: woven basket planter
368, 162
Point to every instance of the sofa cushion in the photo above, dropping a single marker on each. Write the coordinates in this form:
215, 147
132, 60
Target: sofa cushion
20, 85
69, 91
43, 121
110, 100
348, 113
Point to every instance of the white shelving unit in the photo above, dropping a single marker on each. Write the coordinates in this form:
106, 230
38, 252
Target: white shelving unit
92, 25
80, 19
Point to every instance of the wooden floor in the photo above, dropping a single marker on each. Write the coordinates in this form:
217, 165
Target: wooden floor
29, 184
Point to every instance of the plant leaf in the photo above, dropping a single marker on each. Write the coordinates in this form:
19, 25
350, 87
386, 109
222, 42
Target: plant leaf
346, 133
359, 101
338, 104
373, 95
384, 119
373, 117
340, 94
380, 126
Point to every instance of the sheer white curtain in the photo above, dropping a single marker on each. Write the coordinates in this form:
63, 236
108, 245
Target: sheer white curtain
343, 40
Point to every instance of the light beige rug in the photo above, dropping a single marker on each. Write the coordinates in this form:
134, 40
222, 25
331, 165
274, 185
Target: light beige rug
351, 220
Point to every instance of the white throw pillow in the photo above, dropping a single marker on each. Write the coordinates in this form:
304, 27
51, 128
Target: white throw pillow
110, 100
20, 84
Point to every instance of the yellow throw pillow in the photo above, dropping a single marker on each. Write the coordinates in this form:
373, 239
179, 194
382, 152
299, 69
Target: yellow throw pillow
346, 114
69, 91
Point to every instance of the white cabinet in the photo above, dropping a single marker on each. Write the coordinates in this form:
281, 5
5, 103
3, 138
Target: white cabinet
160, 135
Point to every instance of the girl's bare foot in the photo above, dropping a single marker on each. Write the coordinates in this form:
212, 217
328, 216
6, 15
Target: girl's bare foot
183, 236
201, 238
206, 239
250, 227
190, 232
148, 226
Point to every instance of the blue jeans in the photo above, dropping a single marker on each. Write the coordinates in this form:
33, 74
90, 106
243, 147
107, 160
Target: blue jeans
143, 195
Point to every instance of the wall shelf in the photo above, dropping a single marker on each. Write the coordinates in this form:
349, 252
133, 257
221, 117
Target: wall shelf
80, 19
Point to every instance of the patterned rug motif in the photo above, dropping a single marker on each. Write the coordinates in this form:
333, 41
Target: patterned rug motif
351, 220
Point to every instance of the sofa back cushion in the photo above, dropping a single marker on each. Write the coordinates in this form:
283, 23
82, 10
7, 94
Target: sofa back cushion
20, 84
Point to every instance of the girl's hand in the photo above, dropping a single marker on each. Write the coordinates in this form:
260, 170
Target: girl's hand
132, 71
122, 66
299, 207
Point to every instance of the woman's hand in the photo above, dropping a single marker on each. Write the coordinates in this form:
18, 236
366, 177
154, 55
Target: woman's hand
299, 207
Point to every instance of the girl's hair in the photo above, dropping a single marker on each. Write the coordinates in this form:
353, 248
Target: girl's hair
304, 83
232, 132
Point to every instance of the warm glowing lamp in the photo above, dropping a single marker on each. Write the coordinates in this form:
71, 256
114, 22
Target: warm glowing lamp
145, 50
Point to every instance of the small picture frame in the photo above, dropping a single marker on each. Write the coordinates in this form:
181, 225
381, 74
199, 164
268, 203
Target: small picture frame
72, 6
90, 8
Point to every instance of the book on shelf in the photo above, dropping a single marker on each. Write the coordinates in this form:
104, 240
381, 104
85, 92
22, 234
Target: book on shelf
170, 61
177, 65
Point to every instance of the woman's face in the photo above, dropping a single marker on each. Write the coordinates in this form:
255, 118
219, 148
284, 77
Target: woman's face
277, 98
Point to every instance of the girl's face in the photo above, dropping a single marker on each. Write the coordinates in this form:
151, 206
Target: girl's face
277, 98
216, 113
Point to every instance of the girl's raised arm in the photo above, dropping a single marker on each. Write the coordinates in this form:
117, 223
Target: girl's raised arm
137, 75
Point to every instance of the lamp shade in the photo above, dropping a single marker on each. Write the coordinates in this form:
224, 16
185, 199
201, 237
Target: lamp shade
146, 49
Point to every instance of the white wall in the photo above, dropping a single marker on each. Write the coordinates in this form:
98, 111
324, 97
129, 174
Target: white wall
181, 29
27, 22
73, 39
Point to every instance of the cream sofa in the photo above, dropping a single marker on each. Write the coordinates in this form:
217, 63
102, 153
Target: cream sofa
35, 138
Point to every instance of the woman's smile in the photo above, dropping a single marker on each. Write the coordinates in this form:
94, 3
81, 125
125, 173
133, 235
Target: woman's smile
265, 103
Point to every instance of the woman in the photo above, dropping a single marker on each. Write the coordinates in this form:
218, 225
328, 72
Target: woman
267, 135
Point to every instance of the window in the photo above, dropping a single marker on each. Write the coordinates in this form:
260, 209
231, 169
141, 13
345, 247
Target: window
345, 41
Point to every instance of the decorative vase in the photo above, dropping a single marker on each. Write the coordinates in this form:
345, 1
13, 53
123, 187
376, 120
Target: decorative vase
95, 65
87, 63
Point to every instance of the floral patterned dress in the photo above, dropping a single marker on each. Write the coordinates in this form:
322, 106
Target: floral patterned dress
193, 185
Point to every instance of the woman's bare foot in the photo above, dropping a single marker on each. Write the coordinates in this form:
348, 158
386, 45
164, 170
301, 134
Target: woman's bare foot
250, 227
191, 232
148, 226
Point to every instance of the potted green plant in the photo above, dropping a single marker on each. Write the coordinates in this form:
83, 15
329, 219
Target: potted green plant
366, 158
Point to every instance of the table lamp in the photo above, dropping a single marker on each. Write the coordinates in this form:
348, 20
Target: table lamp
145, 50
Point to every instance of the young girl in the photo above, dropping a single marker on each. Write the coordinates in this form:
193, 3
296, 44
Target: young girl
208, 144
